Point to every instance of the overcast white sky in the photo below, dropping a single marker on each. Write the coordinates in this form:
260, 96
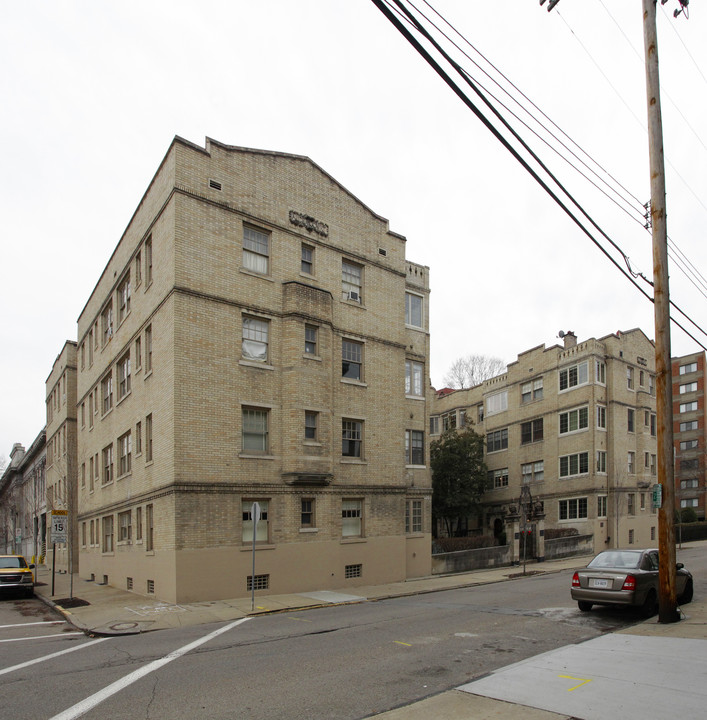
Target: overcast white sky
92, 94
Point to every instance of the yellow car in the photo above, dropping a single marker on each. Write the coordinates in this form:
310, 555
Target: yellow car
16, 574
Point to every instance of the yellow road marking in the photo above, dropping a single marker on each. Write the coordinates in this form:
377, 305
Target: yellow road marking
402, 643
569, 677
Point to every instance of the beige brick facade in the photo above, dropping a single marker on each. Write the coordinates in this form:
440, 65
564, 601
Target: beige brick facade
212, 357
576, 424
62, 469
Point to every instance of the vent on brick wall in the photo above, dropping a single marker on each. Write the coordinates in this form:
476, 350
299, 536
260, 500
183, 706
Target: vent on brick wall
353, 571
215, 184
129, 583
260, 582
382, 252
150, 587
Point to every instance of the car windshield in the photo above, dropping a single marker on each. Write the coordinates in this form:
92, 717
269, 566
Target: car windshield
12, 562
616, 559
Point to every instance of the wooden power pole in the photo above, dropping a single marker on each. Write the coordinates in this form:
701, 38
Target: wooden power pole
667, 596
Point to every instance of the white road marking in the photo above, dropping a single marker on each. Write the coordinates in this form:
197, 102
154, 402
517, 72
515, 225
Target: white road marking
50, 657
43, 622
81, 708
41, 637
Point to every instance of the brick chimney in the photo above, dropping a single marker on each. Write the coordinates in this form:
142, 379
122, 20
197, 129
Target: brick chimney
570, 339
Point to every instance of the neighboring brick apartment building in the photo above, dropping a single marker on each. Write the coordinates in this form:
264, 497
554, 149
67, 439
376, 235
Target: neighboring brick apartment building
690, 431
61, 453
257, 336
577, 425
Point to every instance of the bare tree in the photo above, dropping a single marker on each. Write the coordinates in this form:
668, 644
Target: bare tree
470, 370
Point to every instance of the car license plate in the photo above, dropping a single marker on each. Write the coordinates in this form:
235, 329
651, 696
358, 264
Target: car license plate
600, 583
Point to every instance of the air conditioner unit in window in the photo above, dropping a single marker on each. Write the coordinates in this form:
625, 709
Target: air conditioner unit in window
352, 295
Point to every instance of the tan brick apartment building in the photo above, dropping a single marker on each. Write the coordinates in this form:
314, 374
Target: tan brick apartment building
577, 425
61, 472
690, 431
256, 336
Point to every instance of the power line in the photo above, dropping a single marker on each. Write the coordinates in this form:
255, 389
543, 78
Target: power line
390, 14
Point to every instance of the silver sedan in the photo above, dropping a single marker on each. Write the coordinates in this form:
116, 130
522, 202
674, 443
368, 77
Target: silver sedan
626, 577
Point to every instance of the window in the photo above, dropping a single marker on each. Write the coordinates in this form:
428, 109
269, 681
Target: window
413, 310
449, 420
138, 523
688, 406
413, 516
255, 430
310, 339
689, 465
148, 349
688, 387
573, 376
307, 518
689, 368
689, 484
600, 372
414, 447
601, 417
90, 347
641, 378
631, 462
256, 250
498, 478
149, 528
686, 426
107, 322
352, 518
83, 414
532, 390
629, 378
83, 355
90, 474
531, 431
651, 384
108, 534
631, 503
601, 461
148, 260
83, 475
138, 269
533, 472
601, 505
689, 444
351, 438
310, 425
631, 535
351, 360
654, 464
631, 420
413, 378
125, 449
255, 339
107, 392
351, 281
83, 534
497, 403
643, 501
307, 265
653, 424
148, 438
138, 354
108, 464
124, 298
125, 529
576, 464
574, 420
123, 376
690, 502
434, 425
574, 509
497, 440
262, 533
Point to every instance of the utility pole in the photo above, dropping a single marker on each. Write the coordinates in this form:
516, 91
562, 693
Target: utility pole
667, 596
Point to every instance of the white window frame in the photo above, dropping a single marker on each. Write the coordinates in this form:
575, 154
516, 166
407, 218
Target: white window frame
497, 403
578, 416
581, 458
414, 310
352, 517
574, 376
256, 250
573, 509
255, 345
688, 368
414, 375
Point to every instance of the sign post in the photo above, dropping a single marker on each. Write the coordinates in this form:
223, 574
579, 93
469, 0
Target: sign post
59, 524
255, 515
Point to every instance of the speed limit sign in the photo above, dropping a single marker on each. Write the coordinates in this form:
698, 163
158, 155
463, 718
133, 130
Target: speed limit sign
60, 520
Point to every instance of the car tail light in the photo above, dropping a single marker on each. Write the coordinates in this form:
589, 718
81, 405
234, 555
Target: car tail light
575, 580
629, 583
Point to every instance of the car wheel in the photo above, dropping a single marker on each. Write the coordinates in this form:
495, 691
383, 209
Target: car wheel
584, 606
687, 593
650, 604
29, 593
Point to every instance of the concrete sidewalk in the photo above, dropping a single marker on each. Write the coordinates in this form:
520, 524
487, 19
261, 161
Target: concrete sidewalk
654, 670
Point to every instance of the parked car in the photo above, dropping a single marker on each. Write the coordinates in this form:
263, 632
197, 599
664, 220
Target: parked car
626, 577
16, 574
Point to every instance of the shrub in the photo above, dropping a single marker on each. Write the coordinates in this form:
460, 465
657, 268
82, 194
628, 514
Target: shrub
455, 544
